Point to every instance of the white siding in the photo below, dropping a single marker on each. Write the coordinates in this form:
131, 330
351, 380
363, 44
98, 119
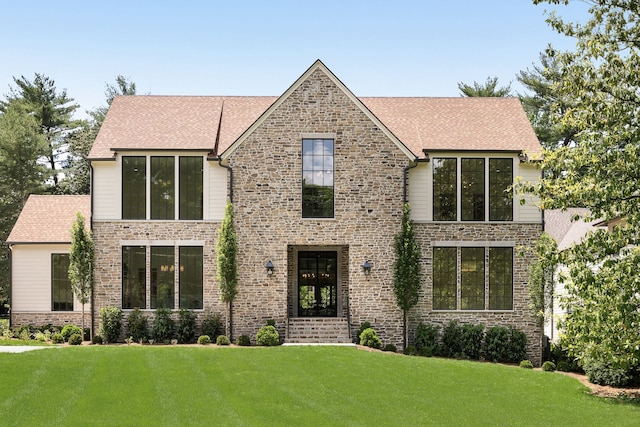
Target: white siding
419, 192
31, 277
215, 191
106, 190
529, 212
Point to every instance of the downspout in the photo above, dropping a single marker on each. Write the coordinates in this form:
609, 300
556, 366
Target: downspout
93, 316
10, 284
405, 178
230, 178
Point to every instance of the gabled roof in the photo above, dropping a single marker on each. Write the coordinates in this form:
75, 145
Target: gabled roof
222, 122
558, 223
48, 219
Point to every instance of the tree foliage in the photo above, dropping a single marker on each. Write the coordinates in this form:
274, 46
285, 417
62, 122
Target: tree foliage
81, 257
545, 106
541, 277
52, 111
406, 268
489, 88
226, 251
601, 173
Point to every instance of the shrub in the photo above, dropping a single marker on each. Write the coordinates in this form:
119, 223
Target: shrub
97, 339
138, 325
7, 334
363, 326
57, 338
548, 366
390, 347
563, 366
244, 341
411, 350
69, 330
42, 336
222, 340
369, 338
471, 344
163, 326
426, 341
212, 325
507, 345
268, 336
111, 324
526, 364
24, 334
75, 339
271, 322
186, 331
560, 356
451, 340
204, 340
604, 374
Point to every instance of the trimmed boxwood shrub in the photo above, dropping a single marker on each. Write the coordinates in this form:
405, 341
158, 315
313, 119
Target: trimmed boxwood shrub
363, 326
57, 338
526, 364
97, 339
369, 338
75, 339
268, 336
204, 340
390, 347
212, 325
186, 331
244, 341
69, 330
426, 340
163, 326
505, 345
548, 366
138, 325
111, 324
222, 340
471, 344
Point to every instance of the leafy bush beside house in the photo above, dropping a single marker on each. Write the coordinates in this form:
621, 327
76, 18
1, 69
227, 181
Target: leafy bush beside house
426, 340
138, 325
163, 327
186, 331
111, 324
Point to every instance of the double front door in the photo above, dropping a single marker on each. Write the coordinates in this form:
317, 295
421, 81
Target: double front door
318, 283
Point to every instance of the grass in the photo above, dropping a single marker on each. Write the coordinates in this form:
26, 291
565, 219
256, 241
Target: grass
174, 385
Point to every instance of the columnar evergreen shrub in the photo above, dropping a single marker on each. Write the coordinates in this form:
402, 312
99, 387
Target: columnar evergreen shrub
426, 340
186, 330
212, 325
451, 340
163, 326
506, 345
138, 325
69, 330
111, 324
472, 336
268, 336
369, 338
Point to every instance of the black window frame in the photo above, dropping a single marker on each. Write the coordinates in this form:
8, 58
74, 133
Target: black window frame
60, 283
318, 198
191, 177
134, 187
162, 187
445, 203
134, 257
191, 277
500, 184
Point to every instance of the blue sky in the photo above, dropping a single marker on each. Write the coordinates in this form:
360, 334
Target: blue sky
377, 48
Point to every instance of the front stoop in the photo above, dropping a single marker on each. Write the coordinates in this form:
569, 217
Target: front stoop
325, 330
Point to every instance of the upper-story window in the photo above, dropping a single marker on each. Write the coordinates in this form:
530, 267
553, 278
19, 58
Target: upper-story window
162, 187
317, 178
61, 292
481, 185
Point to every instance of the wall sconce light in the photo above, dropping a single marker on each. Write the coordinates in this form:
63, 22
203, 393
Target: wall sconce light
366, 267
269, 266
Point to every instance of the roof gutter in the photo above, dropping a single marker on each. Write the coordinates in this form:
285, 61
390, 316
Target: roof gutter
10, 299
93, 314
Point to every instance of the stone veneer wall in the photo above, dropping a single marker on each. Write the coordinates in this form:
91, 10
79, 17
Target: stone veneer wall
368, 184
524, 236
108, 236
55, 318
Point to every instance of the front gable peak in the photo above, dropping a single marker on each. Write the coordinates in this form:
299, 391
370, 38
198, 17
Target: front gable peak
317, 67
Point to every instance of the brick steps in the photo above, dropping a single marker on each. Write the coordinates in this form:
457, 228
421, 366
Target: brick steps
327, 330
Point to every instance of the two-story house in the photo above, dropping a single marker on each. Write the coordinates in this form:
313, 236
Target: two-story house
318, 178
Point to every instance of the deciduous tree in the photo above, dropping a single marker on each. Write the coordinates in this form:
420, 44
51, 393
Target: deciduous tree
226, 251
81, 257
406, 269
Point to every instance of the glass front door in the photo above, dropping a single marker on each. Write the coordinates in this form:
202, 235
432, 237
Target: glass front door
318, 283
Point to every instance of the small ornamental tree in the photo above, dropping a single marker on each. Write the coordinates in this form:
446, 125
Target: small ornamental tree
406, 269
81, 262
226, 251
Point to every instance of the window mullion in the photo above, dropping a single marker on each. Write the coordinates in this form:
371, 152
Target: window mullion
148, 187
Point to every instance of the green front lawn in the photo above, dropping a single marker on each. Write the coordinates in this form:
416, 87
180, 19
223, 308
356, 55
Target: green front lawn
176, 385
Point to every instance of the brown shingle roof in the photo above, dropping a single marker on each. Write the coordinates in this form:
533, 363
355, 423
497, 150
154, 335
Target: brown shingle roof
191, 123
48, 219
